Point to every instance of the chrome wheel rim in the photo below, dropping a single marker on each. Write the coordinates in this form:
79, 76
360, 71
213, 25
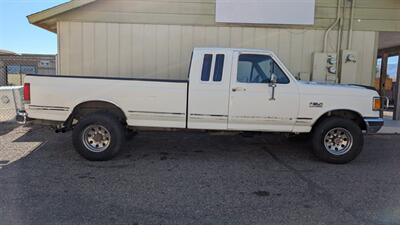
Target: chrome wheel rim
338, 141
96, 138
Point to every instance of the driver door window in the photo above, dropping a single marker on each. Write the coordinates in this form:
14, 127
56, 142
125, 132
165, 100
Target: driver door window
259, 69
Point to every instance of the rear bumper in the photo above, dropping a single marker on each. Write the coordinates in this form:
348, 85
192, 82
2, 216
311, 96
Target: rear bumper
374, 124
22, 117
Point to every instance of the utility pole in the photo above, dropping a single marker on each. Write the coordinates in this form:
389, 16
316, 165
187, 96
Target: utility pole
396, 112
382, 81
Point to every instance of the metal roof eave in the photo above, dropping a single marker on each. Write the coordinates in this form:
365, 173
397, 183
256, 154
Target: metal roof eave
46, 14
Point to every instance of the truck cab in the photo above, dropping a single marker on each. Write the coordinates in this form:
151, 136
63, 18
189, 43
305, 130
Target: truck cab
232, 90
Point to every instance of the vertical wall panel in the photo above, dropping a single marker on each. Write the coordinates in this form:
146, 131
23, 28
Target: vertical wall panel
76, 54
260, 38
150, 51
273, 40
113, 49
212, 36
308, 49
186, 50
236, 37
284, 47
224, 37
64, 48
138, 50
163, 51
296, 39
88, 48
100, 50
368, 60
174, 52
199, 36
248, 37
125, 53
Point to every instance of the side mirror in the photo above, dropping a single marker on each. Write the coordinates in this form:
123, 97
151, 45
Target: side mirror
274, 79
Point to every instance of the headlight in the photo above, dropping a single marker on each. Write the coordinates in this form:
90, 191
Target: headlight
377, 104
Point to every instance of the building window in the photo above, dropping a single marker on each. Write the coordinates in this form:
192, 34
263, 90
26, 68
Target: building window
13, 69
259, 69
205, 73
17, 69
28, 69
219, 67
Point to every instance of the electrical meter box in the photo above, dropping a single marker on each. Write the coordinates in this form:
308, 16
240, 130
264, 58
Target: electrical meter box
325, 67
349, 67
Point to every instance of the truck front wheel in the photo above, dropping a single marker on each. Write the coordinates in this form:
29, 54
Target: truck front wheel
98, 136
337, 140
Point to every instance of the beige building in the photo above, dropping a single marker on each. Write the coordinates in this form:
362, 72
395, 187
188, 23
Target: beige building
141, 38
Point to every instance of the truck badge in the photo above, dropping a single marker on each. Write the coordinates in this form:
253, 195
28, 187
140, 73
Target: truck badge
316, 104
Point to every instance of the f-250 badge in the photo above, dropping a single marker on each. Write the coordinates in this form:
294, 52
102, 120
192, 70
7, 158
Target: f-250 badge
316, 104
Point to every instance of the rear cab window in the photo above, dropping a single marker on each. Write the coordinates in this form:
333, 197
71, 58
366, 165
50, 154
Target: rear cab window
213, 64
205, 72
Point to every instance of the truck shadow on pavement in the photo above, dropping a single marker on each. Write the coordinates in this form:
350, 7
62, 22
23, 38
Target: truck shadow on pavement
184, 178
7, 127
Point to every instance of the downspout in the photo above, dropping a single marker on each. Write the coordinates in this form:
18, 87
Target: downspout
341, 28
340, 41
339, 3
350, 37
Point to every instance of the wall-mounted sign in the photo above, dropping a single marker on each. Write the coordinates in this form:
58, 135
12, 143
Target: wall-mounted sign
297, 12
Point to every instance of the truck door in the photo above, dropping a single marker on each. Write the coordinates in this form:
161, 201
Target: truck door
253, 106
209, 89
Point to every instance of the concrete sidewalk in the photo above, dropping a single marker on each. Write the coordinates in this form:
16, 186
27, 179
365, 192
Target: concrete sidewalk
390, 127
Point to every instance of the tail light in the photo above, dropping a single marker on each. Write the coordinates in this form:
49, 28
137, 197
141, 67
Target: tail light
27, 92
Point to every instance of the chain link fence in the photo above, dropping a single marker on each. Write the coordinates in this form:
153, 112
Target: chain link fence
13, 69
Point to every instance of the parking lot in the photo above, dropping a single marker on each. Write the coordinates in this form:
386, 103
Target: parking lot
194, 178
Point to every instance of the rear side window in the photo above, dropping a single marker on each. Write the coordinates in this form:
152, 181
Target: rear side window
219, 67
205, 73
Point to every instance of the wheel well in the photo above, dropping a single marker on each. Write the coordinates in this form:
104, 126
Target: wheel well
345, 114
86, 108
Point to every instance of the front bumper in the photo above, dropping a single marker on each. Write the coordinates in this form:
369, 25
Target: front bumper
374, 124
21, 117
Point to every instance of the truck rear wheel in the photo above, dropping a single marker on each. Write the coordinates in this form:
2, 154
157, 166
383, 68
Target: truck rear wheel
337, 140
98, 136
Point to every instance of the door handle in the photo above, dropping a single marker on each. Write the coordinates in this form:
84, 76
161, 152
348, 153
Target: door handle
238, 89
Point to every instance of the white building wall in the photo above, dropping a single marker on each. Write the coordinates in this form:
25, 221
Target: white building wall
164, 51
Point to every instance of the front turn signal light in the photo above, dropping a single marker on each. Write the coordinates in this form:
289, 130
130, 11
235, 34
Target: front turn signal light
377, 104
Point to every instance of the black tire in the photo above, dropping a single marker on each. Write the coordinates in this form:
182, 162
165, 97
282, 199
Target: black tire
114, 128
350, 151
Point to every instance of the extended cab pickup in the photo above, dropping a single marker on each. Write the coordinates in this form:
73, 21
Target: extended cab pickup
227, 90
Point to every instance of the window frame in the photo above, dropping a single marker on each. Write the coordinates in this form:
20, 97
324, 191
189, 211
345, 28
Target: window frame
275, 65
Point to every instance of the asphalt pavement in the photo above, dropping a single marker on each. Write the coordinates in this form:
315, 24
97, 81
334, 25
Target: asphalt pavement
194, 178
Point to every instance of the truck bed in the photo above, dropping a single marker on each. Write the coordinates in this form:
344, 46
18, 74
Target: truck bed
145, 102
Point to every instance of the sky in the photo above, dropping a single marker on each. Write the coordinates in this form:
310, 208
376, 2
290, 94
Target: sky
17, 35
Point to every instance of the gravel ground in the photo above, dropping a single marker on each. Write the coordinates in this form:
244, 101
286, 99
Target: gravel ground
194, 178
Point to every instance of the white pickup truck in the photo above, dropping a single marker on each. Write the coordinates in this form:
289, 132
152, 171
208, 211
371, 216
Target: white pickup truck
227, 90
